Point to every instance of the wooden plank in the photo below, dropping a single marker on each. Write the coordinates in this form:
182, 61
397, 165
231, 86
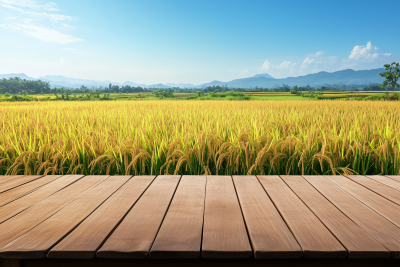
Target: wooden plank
269, 235
355, 239
18, 182
13, 194
381, 205
19, 205
181, 231
135, 235
224, 233
25, 221
38, 241
87, 238
383, 180
313, 237
7, 178
373, 184
381, 229
394, 177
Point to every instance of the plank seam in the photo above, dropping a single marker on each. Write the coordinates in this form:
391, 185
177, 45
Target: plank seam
66, 234
43, 199
374, 190
53, 213
204, 211
30, 191
280, 214
348, 252
165, 214
361, 201
123, 217
241, 211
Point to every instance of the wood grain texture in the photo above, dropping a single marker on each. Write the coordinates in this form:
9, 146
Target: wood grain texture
379, 188
38, 241
25, 221
15, 193
135, 235
25, 202
18, 182
313, 237
269, 235
6, 178
383, 180
224, 232
381, 229
87, 238
181, 231
384, 207
394, 177
355, 239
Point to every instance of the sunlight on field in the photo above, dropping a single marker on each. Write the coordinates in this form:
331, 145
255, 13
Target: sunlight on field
200, 137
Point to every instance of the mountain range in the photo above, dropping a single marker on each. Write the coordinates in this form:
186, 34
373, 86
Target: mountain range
345, 77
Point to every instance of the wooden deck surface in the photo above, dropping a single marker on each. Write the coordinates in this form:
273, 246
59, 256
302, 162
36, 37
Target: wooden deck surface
200, 220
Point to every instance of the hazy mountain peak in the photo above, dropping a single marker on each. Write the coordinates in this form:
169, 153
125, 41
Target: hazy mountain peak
266, 75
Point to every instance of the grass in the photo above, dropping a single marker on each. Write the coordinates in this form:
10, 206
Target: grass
200, 137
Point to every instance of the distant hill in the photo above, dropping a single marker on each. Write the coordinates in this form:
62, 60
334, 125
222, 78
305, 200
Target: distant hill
346, 77
266, 75
322, 78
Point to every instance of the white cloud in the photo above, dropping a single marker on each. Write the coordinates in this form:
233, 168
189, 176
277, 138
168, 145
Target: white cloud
39, 15
49, 6
308, 61
62, 60
244, 71
29, 16
387, 54
267, 65
285, 64
363, 52
67, 27
319, 53
44, 34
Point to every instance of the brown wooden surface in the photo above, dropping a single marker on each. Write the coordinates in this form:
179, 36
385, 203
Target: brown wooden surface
23, 203
381, 229
181, 231
18, 192
313, 237
394, 177
6, 178
214, 263
37, 242
381, 189
135, 235
24, 221
162, 219
269, 235
384, 207
385, 180
220, 238
17, 182
87, 238
355, 239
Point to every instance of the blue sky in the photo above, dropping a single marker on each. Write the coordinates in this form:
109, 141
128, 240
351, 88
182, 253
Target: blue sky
194, 41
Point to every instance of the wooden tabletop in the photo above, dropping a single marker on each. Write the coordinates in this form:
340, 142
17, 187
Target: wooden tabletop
199, 217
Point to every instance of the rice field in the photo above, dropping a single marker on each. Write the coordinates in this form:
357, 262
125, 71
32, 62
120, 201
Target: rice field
200, 137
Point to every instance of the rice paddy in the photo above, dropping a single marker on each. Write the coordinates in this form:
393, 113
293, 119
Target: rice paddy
200, 137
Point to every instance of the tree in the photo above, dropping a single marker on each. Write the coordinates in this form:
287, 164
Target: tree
392, 75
